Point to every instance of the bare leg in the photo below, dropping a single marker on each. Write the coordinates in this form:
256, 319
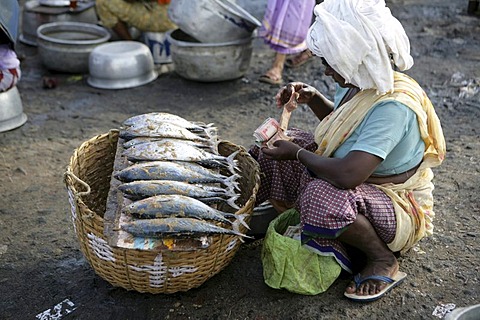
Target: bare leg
275, 72
380, 260
121, 30
280, 206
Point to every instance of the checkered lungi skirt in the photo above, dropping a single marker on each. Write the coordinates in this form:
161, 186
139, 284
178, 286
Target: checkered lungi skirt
326, 211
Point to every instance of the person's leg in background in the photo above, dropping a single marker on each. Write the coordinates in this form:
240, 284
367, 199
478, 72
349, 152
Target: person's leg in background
274, 74
299, 59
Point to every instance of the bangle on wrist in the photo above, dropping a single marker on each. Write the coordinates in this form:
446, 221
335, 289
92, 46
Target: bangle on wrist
298, 152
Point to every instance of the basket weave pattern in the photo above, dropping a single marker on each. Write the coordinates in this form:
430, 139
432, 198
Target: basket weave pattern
88, 180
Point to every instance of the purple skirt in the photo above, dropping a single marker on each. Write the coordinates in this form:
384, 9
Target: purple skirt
285, 24
325, 210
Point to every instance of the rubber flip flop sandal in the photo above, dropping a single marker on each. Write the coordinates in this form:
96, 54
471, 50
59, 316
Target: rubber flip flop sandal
392, 283
267, 79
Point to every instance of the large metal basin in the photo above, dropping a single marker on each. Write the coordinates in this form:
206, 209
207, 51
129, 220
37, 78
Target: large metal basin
32, 19
11, 110
121, 65
209, 62
66, 46
212, 21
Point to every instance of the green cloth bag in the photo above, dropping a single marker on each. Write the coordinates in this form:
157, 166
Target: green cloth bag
289, 265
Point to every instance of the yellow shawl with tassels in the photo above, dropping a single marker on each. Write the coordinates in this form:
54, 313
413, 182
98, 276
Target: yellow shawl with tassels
413, 199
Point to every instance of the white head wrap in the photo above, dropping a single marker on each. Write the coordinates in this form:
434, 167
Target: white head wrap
357, 38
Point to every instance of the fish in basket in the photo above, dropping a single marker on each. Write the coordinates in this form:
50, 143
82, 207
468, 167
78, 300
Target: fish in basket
173, 148
208, 245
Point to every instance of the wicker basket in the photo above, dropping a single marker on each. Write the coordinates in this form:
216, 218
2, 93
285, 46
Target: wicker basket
88, 179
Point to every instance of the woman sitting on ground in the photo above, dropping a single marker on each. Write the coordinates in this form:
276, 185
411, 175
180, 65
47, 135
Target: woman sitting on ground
363, 180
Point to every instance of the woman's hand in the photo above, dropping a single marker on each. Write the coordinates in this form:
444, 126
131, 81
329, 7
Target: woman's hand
304, 93
282, 150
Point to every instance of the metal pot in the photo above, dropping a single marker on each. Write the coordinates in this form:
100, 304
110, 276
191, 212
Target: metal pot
212, 21
33, 18
66, 46
11, 110
209, 62
261, 217
466, 313
121, 65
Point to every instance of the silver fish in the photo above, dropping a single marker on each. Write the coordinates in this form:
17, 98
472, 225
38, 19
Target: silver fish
153, 118
167, 130
172, 170
179, 152
164, 144
163, 206
175, 227
206, 171
213, 147
209, 194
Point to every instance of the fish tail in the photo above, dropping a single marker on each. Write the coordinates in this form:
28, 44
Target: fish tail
209, 133
205, 127
203, 124
231, 202
231, 182
236, 229
200, 138
232, 163
240, 219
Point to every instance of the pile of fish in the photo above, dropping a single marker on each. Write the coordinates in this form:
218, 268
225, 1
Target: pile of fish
173, 178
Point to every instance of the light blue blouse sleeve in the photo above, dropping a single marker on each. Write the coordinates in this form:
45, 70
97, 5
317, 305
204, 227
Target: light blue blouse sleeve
389, 131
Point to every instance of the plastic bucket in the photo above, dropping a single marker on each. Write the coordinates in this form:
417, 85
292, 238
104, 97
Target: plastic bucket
159, 46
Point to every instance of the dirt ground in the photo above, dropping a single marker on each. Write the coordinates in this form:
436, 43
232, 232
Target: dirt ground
41, 264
